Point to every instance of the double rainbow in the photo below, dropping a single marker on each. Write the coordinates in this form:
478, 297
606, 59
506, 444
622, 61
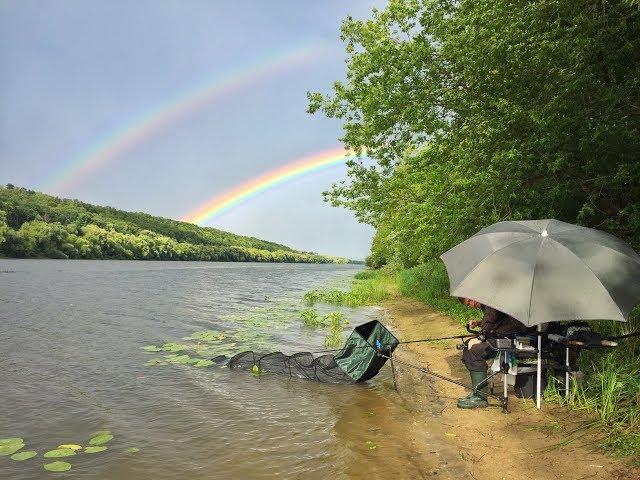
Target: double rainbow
249, 189
150, 122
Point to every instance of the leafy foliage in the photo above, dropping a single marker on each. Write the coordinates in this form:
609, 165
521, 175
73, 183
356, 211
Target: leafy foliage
480, 111
37, 225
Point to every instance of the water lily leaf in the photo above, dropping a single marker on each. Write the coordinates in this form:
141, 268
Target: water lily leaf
7, 441
202, 363
10, 449
207, 336
57, 466
95, 449
59, 452
152, 348
101, 432
100, 439
71, 446
174, 347
180, 359
133, 450
20, 457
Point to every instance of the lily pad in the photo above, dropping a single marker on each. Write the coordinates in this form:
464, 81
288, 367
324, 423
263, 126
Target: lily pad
133, 450
207, 336
71, 446
57, 466
7, 441
203, 363
10, 448
59, 452
180, 359
101, 432
20, 457
151, 348
95, 449
100, 439
174, 347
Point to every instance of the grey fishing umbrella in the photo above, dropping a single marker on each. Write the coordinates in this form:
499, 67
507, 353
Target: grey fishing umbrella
541, 271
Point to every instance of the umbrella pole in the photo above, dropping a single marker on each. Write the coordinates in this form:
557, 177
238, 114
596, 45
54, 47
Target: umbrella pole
566, 373
539, 369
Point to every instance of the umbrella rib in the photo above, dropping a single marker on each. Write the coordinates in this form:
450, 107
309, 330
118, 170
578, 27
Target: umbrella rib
591, 242
595, 275
533, 280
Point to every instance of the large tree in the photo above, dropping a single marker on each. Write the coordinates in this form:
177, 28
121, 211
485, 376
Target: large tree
483, 110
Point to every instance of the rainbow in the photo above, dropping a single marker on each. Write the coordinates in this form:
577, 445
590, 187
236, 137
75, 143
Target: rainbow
149, 122
249, 189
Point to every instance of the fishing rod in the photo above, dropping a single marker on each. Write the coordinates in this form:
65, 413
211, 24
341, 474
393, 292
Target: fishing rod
504, 368
380, 346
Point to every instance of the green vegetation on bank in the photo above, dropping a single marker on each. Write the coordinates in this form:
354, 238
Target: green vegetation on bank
479, 111
36, 225
611, 388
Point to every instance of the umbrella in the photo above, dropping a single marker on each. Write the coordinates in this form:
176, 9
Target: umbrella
541, 271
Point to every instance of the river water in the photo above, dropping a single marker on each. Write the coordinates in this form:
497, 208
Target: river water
71, 363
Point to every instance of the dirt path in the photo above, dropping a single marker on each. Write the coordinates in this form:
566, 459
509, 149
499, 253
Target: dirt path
486, 444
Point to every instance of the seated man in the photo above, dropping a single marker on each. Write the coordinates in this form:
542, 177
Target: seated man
494, 323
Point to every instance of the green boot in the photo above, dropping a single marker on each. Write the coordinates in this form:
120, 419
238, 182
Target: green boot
476, 399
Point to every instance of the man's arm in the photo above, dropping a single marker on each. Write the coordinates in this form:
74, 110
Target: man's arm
489, 320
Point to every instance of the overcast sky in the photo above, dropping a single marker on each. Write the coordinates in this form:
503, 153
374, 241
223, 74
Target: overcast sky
74, 72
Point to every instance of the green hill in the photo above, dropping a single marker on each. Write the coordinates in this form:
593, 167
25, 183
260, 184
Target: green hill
35, 225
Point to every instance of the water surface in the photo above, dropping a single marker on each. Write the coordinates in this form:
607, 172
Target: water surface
71, 364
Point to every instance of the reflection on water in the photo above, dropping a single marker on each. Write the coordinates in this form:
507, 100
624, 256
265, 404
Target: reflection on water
71, 364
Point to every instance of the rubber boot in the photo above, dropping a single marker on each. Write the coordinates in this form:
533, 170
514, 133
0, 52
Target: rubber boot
476, 399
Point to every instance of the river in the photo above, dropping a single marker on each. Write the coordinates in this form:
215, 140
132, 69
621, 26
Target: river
71, 363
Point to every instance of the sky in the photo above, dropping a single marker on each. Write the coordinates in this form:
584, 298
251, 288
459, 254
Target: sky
160, 106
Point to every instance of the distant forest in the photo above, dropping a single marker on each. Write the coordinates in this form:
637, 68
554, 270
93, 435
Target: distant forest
35, 225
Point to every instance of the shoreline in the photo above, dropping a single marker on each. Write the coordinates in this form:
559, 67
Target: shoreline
485, 444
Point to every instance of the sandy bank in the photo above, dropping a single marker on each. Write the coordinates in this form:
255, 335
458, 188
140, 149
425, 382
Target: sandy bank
486, 444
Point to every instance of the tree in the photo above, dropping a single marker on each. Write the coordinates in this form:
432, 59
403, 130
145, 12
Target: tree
485, 110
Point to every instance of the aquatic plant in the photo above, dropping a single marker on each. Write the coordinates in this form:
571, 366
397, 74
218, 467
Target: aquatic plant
95, 449
22, 456
59, 452
151, 348
311, 318
57, 466
9, 446
177, 359
101, 439
207, 336
132, 450
71, 446
202, 363
174, 347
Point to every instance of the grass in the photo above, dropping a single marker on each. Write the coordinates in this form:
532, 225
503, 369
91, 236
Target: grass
611, 388
368, 287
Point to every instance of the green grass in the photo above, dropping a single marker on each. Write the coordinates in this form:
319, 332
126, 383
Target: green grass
369, 287
429, 283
